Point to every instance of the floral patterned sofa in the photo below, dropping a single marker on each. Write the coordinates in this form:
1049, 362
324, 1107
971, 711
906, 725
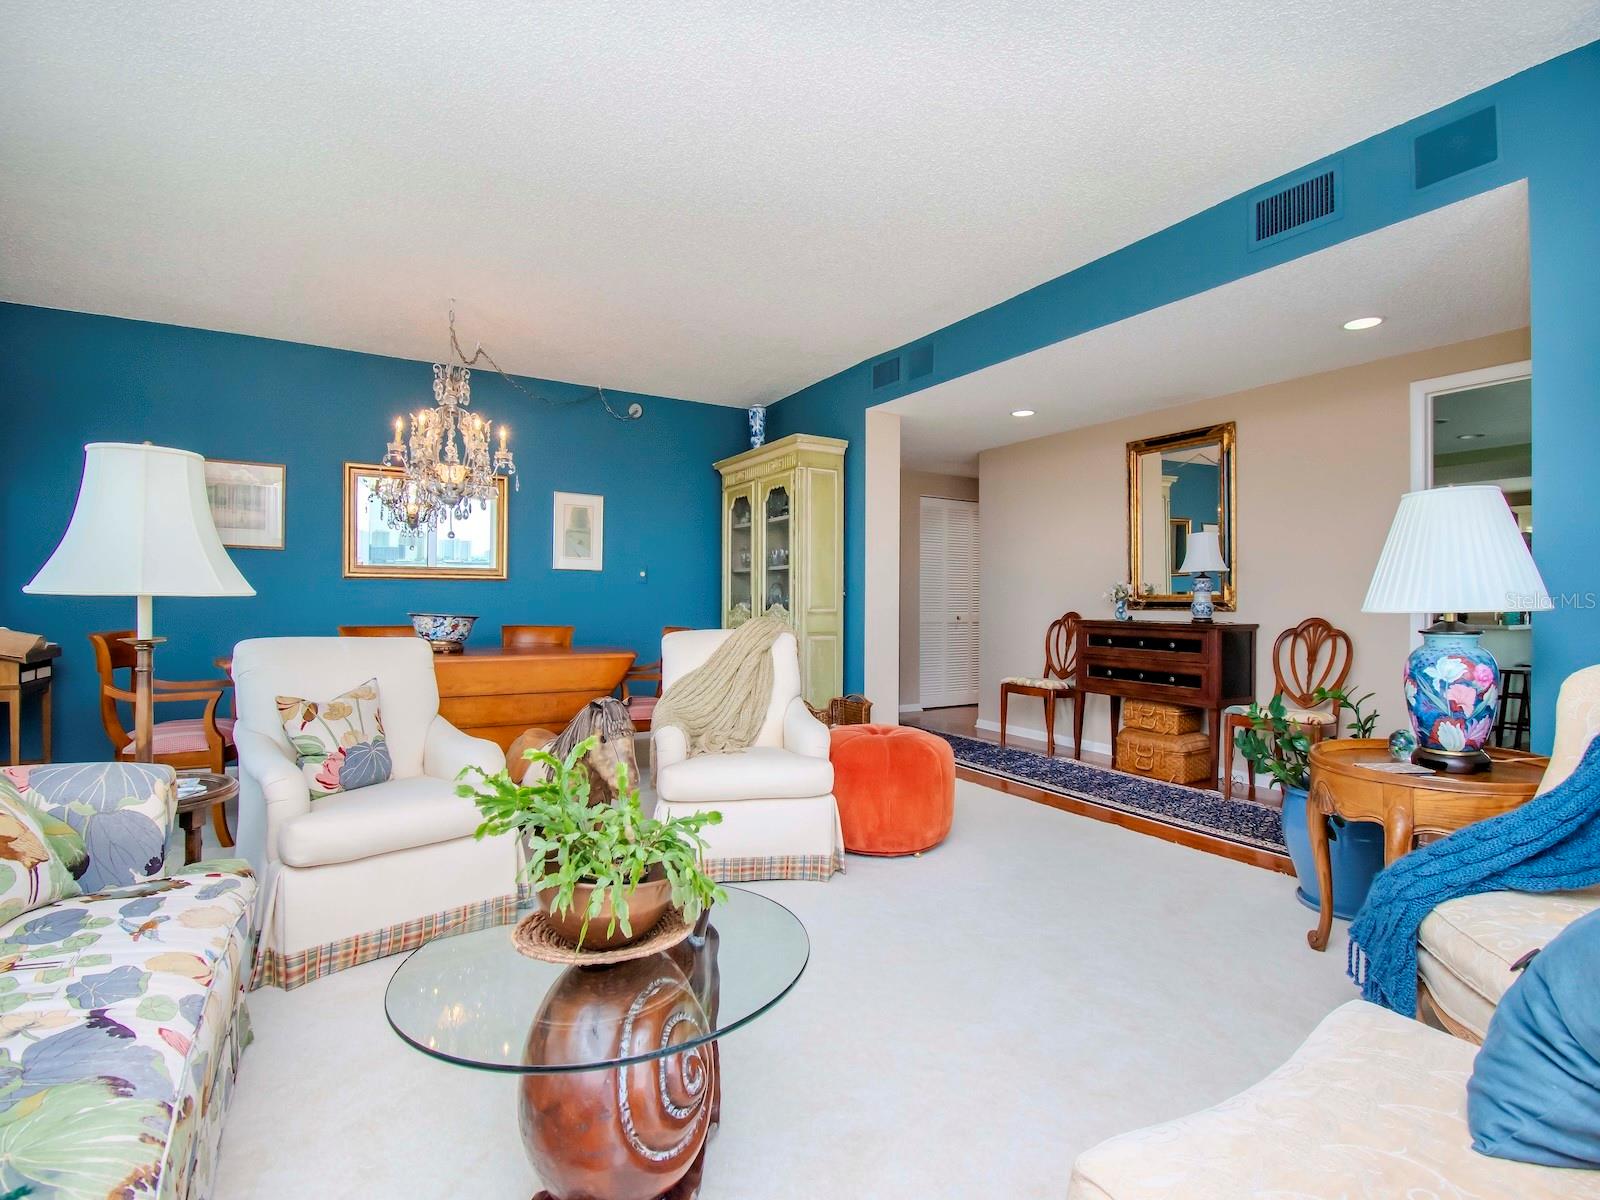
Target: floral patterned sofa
121, 1014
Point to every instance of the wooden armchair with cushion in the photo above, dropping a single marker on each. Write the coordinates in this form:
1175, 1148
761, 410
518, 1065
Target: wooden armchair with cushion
1311, 655
202, 743
641, 708
1057, 682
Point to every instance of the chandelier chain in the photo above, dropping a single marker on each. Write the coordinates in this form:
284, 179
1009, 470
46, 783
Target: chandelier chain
479, 354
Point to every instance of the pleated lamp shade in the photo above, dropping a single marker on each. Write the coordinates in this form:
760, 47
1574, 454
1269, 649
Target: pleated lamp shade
1204, 553
142, 527
1455, 549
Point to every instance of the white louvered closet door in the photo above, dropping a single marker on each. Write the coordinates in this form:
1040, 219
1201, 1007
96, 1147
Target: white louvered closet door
949, 602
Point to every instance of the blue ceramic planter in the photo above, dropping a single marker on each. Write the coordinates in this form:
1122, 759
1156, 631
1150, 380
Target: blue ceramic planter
1356, 852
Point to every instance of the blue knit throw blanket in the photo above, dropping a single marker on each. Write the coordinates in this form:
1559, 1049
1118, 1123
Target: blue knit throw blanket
1550, 844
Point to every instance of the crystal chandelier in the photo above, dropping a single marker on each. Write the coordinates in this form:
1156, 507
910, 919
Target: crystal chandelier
445, 463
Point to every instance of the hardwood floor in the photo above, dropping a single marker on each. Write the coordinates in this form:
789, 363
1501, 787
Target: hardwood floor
963, 722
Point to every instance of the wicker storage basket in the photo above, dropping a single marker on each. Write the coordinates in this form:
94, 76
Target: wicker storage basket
844, 710
1173, 757
1160, 718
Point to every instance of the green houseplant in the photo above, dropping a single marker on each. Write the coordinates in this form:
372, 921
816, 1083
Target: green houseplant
1276, 746
594, 862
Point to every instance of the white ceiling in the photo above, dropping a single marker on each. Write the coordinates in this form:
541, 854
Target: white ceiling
1456, 273
723, 200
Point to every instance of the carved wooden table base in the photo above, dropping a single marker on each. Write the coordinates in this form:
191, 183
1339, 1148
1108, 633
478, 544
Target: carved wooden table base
636, 1132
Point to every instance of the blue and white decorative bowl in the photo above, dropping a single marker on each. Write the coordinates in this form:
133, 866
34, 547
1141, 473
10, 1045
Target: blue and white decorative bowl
446, 633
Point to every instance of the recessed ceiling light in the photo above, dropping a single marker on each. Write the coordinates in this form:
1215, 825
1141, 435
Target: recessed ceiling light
1022, 412
1363, 323
1467, 437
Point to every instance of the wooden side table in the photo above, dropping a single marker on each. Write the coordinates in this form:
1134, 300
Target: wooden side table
218, 790
1346, 781
21, 678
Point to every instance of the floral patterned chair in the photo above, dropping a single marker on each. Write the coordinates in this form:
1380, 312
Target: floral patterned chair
122, 1013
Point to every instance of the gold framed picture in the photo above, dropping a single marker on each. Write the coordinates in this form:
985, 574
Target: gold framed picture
473, 547
247, 502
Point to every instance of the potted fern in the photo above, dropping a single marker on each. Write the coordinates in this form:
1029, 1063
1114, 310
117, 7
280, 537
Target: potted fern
1276, 746
604, 873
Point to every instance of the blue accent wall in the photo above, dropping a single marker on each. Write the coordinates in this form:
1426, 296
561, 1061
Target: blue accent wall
73, 378
1548, 134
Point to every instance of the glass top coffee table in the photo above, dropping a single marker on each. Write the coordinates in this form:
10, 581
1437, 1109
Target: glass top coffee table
619, 1063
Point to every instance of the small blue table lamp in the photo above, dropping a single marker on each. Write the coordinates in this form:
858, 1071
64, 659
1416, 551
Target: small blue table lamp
1454, 550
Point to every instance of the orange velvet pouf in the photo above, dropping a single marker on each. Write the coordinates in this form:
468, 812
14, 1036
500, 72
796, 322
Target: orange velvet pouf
896, 788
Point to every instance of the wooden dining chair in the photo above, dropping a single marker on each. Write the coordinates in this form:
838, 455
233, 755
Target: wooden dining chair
1057, 682
377, 631
642, 708
536, 637
203, 743
1312, 655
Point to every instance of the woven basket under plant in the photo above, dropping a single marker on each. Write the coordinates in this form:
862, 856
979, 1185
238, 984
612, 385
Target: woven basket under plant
843, 710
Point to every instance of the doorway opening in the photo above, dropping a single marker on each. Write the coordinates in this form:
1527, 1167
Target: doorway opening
1477, 428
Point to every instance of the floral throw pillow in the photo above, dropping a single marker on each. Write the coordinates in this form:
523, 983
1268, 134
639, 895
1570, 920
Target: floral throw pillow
122, 813
36, 869
338, 743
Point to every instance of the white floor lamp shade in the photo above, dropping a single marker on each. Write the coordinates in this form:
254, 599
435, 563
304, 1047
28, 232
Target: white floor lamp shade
142, 527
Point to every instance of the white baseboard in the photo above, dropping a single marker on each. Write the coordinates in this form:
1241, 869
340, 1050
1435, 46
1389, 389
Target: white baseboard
910, 708
1064, 742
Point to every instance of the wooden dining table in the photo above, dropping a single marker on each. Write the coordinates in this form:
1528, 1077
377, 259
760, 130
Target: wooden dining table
494, 693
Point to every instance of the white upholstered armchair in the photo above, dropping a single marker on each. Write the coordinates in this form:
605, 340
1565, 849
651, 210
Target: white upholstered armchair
380, 869
779, 818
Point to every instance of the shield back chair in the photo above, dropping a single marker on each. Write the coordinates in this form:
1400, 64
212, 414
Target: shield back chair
1057, 682
203, 743
536, 637
1311, 655
377, 631
643, 706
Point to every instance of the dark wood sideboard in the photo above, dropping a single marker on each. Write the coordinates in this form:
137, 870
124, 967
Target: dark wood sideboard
1204, 665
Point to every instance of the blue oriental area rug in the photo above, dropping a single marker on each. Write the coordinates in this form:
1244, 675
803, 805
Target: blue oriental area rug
1243, 822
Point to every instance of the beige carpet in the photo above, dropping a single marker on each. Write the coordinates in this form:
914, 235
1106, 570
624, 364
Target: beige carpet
969, 1021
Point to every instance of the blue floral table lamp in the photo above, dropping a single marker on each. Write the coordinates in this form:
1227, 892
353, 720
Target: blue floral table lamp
1454, 550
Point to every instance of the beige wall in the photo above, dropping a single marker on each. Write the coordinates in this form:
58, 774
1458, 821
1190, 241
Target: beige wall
1322, 462
913, 486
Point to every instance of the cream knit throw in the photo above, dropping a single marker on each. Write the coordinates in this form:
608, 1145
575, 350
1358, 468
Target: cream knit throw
721, 704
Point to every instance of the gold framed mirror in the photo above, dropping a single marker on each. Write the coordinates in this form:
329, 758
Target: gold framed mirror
1179, 485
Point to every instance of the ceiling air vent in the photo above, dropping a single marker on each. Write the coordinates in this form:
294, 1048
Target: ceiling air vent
1468, 142
919, 361
1296, 208
885, 371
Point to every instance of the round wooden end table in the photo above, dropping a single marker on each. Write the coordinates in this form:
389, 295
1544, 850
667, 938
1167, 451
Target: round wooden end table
1349, 779
192, 809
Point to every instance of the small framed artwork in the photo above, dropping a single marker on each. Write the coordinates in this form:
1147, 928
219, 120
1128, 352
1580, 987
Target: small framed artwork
580, 532
470, 547
247, 502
